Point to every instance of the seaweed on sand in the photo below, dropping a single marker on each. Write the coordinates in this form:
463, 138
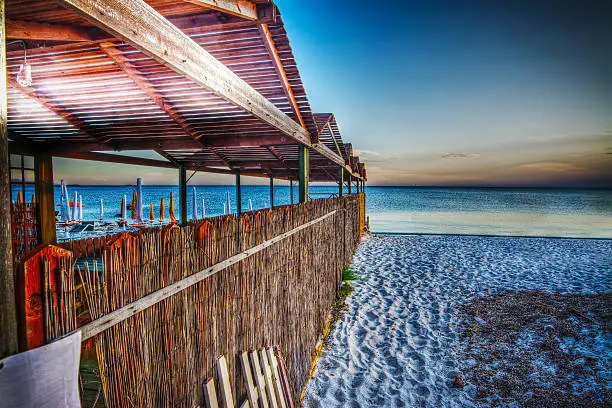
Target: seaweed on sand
537, 349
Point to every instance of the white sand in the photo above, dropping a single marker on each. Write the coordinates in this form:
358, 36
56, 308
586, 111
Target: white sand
394, 347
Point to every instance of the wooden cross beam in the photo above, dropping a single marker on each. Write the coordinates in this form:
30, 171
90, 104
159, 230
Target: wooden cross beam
139, 24
279, 156
115, 158
240, 8
145, 85
280, 71
30, 30
55, 107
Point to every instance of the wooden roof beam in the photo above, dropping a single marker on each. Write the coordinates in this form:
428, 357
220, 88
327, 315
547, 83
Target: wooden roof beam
55, 107
333, 135
220, 156
250, 141
280, 71
279, 156
240, 8
115, 158
145, 86
30, 30
139, 24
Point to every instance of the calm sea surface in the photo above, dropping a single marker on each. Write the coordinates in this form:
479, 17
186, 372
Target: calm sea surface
529, 212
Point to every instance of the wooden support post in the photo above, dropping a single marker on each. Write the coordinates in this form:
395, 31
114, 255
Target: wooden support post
291, 190
303, 173
340, 182
350, 183
45, 210
9, 341
238, 194
271, 192
183, 194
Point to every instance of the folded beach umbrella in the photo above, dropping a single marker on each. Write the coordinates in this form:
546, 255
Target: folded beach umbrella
229, 203
139, 209
80, 208
172, 216
64, 205
203, 208
101, 209
161, 210
250, 205
151, 213
75, 206
133, 209
124, 209
195, 203
67, 204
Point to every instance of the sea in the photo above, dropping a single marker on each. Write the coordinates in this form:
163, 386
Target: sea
396, 210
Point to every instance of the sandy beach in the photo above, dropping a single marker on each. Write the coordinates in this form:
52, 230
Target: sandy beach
397, 344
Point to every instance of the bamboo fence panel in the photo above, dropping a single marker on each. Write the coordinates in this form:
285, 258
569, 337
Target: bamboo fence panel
281, 295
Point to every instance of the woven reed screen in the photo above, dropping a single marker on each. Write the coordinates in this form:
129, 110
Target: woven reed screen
279, 296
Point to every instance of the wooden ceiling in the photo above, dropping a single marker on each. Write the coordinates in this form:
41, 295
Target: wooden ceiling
92, 91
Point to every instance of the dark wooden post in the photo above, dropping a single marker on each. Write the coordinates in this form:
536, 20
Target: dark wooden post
350, 183
291, 190
304, 173
340, 181
271, 192
183, 194
238, 194
8, 314
45, 210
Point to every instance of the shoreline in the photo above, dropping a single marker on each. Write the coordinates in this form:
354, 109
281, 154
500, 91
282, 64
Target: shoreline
438, 234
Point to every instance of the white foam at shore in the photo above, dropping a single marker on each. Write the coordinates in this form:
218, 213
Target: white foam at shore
394, 346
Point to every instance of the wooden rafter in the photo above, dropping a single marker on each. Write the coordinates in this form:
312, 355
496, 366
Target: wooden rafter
240, 8
115, 158
54, 107
139, 24
280, 71
333, 135
220, 156
30, 30
145, 85
279, 156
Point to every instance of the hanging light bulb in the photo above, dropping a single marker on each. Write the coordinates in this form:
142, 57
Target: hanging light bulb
24, 75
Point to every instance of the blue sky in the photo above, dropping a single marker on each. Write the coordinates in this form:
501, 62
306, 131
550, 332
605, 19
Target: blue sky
508, 93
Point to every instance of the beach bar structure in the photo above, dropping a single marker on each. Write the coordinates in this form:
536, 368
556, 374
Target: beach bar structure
211, 86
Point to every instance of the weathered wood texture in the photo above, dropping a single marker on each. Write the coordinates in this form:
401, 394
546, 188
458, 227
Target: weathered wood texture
106, 94
8, 313
240, 8
44, 197
279, 295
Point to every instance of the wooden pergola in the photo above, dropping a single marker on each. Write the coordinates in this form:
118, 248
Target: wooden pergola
210, 85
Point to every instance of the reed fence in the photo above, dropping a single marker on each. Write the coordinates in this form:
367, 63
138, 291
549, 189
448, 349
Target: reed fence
280, 295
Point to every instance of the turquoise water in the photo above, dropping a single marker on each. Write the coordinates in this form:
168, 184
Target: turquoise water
510, 212
507, 212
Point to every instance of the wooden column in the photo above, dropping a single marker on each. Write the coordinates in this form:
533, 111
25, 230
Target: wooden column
291, 190
350, 183
238, 194
8, 314
303, 173
45, 210
183, 194
271, 192
340, 182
